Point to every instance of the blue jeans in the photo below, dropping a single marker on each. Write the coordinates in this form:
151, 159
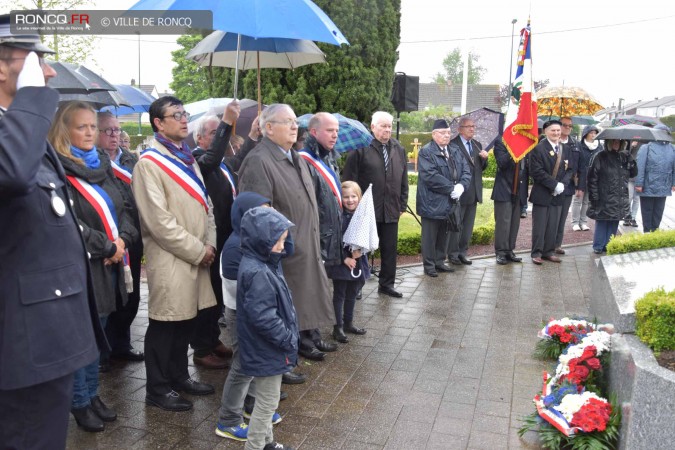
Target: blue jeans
604, 230
85, 382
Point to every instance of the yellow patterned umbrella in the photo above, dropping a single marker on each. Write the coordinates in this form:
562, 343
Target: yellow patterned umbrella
566, 101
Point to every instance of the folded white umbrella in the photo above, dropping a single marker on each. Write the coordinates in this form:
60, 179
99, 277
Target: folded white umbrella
361, 234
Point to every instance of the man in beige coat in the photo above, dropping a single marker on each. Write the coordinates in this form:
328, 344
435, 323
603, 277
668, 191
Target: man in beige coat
274, 170
179, 236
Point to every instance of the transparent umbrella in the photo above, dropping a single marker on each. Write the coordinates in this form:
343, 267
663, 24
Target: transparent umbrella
361, 234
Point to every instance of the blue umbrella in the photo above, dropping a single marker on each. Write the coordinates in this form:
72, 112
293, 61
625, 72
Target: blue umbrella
352, 134
137, 100
295, 19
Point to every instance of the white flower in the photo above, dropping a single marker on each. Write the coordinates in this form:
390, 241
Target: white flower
571, 403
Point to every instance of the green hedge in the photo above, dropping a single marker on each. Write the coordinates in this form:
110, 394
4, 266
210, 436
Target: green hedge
411, 243
635, 242
655, 319
407, 139
491, 169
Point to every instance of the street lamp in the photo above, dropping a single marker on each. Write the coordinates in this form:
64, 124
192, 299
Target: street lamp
513, 27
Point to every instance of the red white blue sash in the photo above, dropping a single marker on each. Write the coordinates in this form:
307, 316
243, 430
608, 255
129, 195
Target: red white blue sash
101, 203
121, 172
326, 173
181, 174
230, 178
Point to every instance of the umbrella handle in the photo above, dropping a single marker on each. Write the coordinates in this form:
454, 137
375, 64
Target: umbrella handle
357, 275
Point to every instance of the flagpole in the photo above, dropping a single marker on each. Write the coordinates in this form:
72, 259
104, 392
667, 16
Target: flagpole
513, 29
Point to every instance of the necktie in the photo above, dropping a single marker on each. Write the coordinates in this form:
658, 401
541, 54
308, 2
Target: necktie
556, 149
445, 152
468, 147
385, 155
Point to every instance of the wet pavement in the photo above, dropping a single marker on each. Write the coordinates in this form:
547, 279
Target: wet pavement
448, 366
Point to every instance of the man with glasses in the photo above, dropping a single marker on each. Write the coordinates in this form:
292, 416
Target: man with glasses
48, 318
179, 236
118, 326
440, 174
276, 171
572, 146
472, 155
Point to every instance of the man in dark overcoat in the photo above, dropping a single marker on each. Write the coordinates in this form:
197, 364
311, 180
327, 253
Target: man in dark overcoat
476, 158
49, 324
506, 195
551, 170
276, 171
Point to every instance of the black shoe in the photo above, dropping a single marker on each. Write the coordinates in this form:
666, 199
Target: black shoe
513, 258
391, 292
501, 260
339, 335
455, 261
311, 353
359, 295
444, 268
293, 378
324, 346
350, 328
633, 223
431, 273
277, 446
87, 419
463, 259
102, 411
193, 387
129, 355
283, 395
169, 402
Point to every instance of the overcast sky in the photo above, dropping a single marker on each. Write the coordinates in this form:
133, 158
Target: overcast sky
611, 51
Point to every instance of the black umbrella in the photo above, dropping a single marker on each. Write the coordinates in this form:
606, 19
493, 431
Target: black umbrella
634, 132
76, 79
98, 99
489, 126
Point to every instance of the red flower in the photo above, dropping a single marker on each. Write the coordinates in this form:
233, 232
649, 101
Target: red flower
592, 416
593, 363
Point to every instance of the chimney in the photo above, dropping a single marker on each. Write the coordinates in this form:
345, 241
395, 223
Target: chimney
133, 82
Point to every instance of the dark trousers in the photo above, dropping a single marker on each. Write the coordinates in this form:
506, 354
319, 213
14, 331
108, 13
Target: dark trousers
434, 242
118, 328
604, 230
544, 229
651, 209
206, 334
565, 209
388, 235
507, 224
36, 417
458, 243
166, 360
309, 338
344, 299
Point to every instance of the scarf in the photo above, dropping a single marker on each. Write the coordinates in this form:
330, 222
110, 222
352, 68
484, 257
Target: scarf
90, 157
183, 153
591, 145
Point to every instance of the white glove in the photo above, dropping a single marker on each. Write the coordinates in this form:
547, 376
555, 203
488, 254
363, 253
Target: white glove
31, 74
457, 192
559, 188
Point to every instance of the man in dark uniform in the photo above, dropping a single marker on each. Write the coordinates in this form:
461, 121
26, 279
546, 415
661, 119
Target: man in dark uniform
551, 170
476, 158
49, 324
506, 194
568, 141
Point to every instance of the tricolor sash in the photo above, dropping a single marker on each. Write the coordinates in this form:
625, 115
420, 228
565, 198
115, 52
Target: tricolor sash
230, 178
121, 172
181, 174
101, 202
326, 173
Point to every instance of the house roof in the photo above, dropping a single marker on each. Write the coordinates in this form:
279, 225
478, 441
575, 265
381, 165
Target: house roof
663, 101
478, 96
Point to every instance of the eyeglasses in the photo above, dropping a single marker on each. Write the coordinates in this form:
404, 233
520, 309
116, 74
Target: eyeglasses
468, 126
179, 115
112, 131
41, 60
442, 132
125, 141
288, 122
567, 125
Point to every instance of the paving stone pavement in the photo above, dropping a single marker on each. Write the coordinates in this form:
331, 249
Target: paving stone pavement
448, 366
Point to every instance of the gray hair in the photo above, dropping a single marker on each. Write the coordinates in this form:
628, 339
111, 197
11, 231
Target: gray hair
464, 120
104, 116
270, 113
381, 115
201, 128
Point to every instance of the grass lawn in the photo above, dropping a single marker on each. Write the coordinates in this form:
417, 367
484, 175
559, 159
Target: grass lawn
408, 224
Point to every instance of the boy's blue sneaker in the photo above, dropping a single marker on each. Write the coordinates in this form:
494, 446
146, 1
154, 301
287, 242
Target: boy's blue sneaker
238, 433
276, 418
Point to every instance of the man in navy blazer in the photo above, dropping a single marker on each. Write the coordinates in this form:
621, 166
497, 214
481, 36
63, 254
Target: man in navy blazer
49, 324
546, 195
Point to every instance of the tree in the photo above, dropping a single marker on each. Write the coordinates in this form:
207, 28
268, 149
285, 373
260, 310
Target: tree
422, 121
504, 93
356, 81
454, 69
67, 48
